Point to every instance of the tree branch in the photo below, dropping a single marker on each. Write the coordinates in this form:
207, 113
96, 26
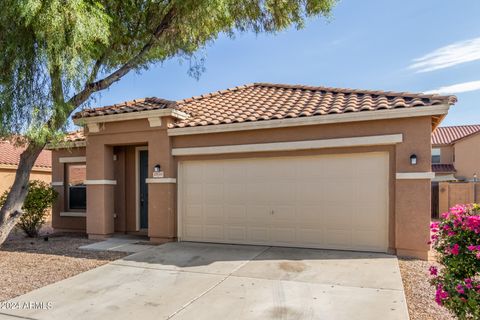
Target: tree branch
106, 82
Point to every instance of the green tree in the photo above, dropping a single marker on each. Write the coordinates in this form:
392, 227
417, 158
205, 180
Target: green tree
56, 53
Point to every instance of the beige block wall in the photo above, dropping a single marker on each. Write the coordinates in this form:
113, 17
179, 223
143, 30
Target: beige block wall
467, 157
7, 176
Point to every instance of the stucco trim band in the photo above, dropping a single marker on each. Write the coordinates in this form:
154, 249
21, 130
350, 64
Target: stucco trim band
57, 184
315, 120
289, 146
72, 159
415, 175
132, 116
73, 214
100, 182
161, 180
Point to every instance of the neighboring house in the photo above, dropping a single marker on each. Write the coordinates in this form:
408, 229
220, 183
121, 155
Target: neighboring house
9, 158
456, 153
266, 164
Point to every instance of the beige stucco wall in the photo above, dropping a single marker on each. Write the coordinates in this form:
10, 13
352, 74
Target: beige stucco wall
467, 157
409, 199
446, 153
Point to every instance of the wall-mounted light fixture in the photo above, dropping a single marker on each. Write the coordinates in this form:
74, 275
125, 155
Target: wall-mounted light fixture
475, 179
156, 168
413, 159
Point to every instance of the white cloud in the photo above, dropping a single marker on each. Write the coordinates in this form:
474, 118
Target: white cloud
448, 56
457, 88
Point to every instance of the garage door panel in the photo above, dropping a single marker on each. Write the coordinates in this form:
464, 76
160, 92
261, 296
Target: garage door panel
311, 236
235, 212
236, 233
212, 212
194, 193
283, 235
193, 211
213, 193
213, 232
328, 201
193, 231
309, 215
255, 193
368, 239
258, 212
259, 234
234, 193
338, 238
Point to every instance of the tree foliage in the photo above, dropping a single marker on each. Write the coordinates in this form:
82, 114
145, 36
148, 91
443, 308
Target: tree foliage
56, 53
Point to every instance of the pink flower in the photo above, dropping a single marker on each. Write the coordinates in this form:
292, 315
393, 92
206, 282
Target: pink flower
440, 295
460, 289
455, 249
451, 233
468, 283
471, 248
433, 270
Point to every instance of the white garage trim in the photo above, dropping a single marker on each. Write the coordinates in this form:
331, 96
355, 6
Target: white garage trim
415, 175
315, 120
290, 146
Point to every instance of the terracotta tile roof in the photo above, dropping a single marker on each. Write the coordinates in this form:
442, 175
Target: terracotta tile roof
73, 136
263, 101
136, 105
443, 168
10, 155
448, 135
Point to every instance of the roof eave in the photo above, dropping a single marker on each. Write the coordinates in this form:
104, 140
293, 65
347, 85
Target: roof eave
436, 110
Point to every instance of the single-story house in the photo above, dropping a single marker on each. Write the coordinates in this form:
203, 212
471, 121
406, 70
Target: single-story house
456, 153
9, 159
266, 164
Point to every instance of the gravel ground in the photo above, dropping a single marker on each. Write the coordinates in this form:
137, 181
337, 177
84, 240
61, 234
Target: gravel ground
27, 264
418, 291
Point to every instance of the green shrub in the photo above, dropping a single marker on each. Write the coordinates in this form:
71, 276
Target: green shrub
456, 239
39, 199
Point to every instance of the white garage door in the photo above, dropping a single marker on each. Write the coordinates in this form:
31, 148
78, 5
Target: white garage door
329, 201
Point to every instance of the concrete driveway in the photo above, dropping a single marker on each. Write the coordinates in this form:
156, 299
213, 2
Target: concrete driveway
212, 281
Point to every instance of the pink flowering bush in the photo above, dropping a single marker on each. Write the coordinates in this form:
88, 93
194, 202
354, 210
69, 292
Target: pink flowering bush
456, 239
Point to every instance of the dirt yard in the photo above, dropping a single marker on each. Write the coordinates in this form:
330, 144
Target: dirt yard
419, 293
27, 264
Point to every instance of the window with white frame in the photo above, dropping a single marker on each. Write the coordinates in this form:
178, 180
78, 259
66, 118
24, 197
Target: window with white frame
76, 174
436, 155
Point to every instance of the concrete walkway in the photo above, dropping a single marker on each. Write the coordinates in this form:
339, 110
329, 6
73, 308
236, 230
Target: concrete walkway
212, 281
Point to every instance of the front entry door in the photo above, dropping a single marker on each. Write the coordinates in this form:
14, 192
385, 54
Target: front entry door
143, 174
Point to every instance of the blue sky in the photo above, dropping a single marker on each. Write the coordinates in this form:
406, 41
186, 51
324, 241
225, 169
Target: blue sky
407, 45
